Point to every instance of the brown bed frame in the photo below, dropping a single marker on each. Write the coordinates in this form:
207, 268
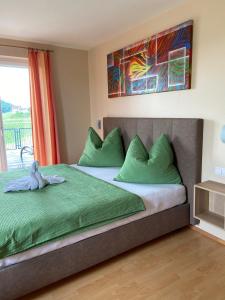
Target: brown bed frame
186, 137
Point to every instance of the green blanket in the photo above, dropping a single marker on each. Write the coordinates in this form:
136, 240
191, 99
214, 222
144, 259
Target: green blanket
30, 218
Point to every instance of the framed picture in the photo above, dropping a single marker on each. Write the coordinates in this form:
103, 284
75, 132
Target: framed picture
157, 64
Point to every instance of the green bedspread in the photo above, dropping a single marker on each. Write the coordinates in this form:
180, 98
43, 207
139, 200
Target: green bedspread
28, 219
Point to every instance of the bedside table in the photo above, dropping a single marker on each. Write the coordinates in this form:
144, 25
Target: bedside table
209, 207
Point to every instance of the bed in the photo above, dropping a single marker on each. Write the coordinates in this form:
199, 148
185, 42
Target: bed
20, 276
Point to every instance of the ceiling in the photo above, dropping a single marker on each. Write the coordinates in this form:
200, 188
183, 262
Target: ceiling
79, 24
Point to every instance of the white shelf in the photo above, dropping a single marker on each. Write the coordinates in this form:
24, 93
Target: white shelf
209, 207
211, 218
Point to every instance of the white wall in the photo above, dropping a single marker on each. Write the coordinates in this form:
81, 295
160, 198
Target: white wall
205, 100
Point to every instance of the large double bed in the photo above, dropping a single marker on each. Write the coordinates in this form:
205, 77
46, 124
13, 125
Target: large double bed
167, 208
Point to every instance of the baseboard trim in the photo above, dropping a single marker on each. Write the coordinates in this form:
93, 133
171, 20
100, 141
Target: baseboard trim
208, 235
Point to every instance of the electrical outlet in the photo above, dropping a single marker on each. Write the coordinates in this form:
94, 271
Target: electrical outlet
223, 172
219, 171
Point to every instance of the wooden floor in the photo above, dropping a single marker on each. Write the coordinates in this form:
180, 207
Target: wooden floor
183, 265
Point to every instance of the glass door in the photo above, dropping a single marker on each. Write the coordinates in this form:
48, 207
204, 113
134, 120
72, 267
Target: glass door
3, 160
16, 127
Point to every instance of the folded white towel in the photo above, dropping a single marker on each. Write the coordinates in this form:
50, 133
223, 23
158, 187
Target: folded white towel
35, 181
41, 181
53, 179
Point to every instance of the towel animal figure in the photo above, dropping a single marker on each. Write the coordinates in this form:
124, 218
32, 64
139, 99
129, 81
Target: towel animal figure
33, 182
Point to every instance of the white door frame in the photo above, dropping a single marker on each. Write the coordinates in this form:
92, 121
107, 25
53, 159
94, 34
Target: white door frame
3, 158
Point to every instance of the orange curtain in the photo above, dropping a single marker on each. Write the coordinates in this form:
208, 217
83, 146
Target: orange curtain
44, 128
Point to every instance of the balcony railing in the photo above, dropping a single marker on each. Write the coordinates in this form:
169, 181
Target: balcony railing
17, 138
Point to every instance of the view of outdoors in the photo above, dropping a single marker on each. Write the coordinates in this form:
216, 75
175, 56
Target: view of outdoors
15, 107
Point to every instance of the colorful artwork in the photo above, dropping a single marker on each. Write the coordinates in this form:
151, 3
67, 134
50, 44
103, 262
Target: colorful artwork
158, 64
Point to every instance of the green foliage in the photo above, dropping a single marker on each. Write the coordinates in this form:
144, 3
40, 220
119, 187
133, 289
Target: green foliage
16, 120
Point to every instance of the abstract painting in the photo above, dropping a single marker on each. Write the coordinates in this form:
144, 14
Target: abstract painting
157, 64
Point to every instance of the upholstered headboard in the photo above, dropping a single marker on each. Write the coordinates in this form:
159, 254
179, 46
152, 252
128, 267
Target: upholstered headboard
186, 136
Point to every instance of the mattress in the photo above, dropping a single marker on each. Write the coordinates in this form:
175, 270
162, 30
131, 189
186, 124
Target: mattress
156, 198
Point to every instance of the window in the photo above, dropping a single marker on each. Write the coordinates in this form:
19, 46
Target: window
15, 111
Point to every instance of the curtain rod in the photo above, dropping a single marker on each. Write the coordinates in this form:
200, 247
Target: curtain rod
23, 47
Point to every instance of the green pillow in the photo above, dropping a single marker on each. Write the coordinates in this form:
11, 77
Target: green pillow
153, 167
107, 153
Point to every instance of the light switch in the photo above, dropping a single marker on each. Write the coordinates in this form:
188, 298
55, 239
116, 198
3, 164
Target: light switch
99, 124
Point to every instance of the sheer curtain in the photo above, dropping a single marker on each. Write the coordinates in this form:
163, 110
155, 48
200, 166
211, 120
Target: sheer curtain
3, 161
44, 128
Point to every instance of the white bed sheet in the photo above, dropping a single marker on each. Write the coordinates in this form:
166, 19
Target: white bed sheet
156, 197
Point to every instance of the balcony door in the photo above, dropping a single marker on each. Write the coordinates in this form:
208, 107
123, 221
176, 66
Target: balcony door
3, 160
16, 143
